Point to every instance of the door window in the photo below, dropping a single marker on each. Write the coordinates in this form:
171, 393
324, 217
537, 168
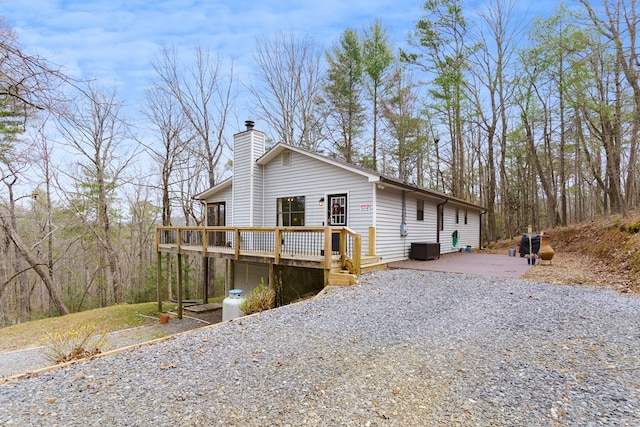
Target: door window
338, 209
216, 217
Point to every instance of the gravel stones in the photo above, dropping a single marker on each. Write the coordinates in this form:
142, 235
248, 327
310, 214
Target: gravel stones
400, 348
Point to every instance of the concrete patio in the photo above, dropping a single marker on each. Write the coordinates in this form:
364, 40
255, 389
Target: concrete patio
482, 264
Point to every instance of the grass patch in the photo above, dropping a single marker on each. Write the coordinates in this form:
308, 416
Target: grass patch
108, 319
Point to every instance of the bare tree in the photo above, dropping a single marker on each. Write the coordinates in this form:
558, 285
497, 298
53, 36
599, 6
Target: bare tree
29, 80
167, 116
618, 24
27, 84
492, 63
289, 65
96, 133
206, 95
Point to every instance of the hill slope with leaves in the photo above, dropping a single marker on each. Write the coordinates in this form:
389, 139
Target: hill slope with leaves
601, 252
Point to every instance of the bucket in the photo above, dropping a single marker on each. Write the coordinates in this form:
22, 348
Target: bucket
164, 318
468, 250
512, 252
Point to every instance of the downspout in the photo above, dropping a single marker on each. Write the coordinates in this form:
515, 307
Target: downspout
403, 223
480, 229
438, 218
204, 205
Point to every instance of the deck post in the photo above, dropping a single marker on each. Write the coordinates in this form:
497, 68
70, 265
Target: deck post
228, 283
327, 248
272, 281
179, 285
205, 279
372, 242
277, 246
238, 244
343, 245
159, 281
357, 254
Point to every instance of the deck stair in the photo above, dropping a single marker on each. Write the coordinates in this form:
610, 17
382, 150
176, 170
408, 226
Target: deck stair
343, 277
340, 277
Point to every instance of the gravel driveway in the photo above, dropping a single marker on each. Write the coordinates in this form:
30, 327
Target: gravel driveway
402, 348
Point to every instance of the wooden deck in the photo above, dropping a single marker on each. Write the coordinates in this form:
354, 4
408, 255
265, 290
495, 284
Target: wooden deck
293, 246
335, 250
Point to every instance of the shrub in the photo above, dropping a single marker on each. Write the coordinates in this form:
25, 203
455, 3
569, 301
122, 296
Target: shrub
73, 344
260, 299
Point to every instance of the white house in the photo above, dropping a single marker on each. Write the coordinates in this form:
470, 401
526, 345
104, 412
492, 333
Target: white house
288, 186
298, 221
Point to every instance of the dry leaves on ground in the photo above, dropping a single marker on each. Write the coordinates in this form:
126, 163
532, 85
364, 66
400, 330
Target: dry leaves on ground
575, 269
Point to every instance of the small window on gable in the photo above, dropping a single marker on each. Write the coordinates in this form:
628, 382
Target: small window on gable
420, 210
286, 158
457, 216
465, 216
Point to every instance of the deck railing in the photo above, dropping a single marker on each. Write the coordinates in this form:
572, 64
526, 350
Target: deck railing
313, 244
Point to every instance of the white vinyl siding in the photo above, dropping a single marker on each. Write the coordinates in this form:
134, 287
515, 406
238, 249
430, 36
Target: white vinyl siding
315, 179
468, 234
247, 179
389, 244
225, 196
368, 203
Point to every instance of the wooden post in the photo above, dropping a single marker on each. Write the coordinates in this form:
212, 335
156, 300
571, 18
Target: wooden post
159, 281
327, 248
238, 243
372, 242
205, 242
277, 246
272, 282
343, 244
229, 282
205, 279
179, 286
357, 253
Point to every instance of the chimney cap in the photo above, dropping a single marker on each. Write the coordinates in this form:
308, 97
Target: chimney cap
249, 124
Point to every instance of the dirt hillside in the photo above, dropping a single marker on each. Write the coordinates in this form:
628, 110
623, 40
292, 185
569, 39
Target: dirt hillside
603, 252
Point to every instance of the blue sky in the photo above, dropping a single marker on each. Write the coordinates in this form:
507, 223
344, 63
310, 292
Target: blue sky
113, 41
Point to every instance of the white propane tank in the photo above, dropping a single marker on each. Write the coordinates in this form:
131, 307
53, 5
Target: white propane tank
231, 305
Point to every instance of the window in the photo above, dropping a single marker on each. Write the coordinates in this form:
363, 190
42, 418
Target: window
216, 214
420, 210
457, 216
290, 211
465, 217
216, 217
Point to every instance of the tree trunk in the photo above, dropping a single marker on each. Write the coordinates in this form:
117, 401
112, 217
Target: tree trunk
38, 266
